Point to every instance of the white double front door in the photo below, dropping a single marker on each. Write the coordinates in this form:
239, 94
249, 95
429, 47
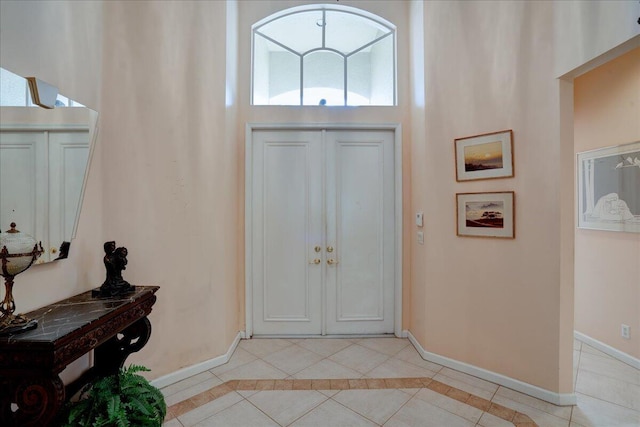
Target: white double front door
323, 232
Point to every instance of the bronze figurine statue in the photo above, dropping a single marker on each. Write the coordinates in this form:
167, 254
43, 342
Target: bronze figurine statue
115, 260
63, 252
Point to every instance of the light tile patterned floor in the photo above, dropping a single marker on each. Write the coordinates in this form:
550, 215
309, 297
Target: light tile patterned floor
384, 382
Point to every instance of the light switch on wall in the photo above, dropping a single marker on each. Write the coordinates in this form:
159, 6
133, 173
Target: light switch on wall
420, 237
419, 219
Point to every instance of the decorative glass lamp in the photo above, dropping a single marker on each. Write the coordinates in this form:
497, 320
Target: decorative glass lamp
17, 252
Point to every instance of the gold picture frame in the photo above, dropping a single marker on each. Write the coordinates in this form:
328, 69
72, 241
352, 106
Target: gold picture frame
486, 156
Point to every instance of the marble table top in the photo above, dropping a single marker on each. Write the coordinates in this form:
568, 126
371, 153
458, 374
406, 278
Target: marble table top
57, 320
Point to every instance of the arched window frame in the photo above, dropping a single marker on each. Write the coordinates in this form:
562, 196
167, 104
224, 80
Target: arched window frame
255, 29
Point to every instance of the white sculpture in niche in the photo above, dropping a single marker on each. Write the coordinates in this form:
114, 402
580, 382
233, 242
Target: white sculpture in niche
612, 208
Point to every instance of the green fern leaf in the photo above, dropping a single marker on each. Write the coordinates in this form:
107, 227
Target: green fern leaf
123, 400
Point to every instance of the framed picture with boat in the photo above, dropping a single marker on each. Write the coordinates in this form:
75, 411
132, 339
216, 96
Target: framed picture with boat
609, 188
486, 214
485, 156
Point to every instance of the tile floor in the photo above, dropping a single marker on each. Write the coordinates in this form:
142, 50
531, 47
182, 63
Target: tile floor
384, 381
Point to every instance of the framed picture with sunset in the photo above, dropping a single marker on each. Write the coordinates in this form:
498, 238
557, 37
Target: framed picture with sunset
486, 214
485, 156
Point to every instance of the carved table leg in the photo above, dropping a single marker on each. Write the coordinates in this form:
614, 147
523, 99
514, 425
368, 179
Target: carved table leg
110, 356
30, 401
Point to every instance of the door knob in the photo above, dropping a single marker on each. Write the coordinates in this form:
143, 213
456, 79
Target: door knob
331, 261
317, 248
315, 261
329, 249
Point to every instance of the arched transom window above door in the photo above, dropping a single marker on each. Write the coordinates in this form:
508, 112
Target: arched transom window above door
324, 55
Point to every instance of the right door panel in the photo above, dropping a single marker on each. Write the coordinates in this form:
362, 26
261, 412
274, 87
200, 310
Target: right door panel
360, 229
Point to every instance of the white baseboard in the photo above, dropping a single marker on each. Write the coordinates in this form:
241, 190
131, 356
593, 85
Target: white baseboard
405, 334
561, 399
192, 370
607, 349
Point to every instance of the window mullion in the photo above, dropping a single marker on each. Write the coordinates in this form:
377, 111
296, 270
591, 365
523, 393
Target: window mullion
395, 73
277, 43
371, 43
301, 80
324, 28
344, 60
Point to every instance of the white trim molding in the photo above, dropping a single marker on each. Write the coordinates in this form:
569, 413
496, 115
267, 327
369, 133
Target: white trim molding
607, 349
398, 213
248, 230
198, 368
561, 399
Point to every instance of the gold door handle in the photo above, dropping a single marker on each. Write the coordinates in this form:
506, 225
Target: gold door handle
329, 249
54, 250
317, 248
315, 261
332, 261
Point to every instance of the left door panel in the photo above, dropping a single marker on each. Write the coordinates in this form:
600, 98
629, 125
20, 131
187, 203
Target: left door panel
287, 194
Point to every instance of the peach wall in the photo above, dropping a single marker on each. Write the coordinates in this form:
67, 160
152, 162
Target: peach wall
607, 264
170, 172
164, 179
491, 303
420, 174
40, 39
502, 305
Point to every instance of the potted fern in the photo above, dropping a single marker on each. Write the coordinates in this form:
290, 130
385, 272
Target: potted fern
122, 400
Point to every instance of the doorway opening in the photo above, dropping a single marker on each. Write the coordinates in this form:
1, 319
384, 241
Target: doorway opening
323, 223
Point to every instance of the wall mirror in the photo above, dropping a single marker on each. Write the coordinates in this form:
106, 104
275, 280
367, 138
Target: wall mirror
44, 158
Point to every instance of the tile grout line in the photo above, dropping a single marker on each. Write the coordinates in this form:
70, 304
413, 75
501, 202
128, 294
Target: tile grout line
362, 375
599, 374
333, 361
364, 416
328, 357
192, 385
575, 382
351, 369
401, 406
355, 412
312, 409
515, 417
303, 348
447, 410
608, 402
261, 411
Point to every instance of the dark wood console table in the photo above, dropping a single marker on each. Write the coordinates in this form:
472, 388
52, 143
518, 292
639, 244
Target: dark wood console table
31, 392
